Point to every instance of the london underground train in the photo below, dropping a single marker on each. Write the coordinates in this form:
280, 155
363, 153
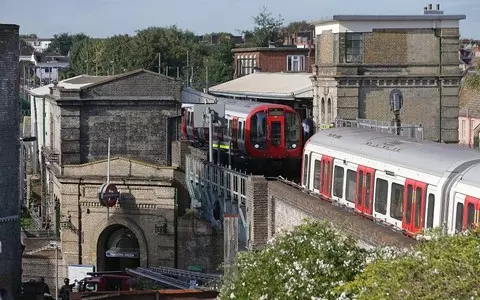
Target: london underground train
255, 130
406, 183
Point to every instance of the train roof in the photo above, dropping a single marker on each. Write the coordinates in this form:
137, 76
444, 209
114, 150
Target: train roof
471, 177
424, 156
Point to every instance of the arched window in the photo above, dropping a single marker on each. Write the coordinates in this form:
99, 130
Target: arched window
329, 111
322, 115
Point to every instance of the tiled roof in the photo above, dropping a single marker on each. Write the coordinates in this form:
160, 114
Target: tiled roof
471, 102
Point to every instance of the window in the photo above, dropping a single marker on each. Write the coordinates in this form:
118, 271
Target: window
245, 64
430, 211
351, 185
470, 216
354, 48
258, 127
463, 130
316, 175
239, 133
459, 217
305, 169
338, 182
292, 130
418, 208
381, 196
296, 63
48, 69
396, 201
408, 214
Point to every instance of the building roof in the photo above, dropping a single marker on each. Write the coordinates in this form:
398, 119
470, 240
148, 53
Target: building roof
74, 83
283, 86
270, 49
472, 107
388, 18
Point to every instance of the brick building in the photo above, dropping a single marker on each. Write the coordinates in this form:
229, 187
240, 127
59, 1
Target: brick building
73, 120
272, 59
10, 251
361, 58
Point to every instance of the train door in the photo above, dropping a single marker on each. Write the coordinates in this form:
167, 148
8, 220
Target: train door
364, 190
315, 168
326, 170
414, 206
305, 170
234, 133
471, 213
276, 133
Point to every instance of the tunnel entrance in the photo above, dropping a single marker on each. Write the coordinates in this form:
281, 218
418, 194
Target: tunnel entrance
117, 249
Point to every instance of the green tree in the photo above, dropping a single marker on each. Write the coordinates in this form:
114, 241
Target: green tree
447, 267
220, 61
267, 29
473, 80
305, 263
62, 43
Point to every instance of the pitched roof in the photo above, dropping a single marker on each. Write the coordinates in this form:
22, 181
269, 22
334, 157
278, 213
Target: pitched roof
287, 86
466, 93
472, 106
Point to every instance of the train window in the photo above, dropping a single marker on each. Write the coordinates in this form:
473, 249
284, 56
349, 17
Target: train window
381, 196
257, 128
408, 214
338, 182
239, 133
292, 130
305, 169
316, 175
431, 209
470, 215
396, 201
459, 217
351, 185
418, 207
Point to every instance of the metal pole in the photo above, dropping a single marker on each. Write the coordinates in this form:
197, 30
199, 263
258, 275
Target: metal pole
230, 154
56, 273
108, 173
210, 135
35, 129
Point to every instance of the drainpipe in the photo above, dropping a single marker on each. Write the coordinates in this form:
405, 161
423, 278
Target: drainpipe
80, 252
175, 226
440, 79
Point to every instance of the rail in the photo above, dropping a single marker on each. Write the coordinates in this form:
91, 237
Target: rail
408, 130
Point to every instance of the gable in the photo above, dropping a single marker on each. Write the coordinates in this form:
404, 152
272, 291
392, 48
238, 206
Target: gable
140, 84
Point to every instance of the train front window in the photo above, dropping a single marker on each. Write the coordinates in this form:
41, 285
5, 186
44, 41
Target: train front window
258, 130
292, 130
276, 133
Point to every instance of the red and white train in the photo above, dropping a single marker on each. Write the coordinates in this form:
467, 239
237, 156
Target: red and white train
256, 130
406, 183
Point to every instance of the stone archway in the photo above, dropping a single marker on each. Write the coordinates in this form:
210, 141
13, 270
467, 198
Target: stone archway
124, 233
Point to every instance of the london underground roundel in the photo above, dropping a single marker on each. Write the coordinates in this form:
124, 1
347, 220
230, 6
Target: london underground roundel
109, 195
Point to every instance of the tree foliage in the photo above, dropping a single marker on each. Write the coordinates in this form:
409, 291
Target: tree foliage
446, 267
306, 263
267, 29
63, 42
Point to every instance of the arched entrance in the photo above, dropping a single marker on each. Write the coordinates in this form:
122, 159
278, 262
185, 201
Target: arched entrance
117, 249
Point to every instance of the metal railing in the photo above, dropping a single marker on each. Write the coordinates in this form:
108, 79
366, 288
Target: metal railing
407, 130
216, 190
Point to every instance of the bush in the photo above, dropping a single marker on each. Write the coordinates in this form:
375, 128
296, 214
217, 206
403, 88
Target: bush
306, 263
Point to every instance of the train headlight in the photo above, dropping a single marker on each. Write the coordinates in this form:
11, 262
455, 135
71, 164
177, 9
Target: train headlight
294, 146
256, 146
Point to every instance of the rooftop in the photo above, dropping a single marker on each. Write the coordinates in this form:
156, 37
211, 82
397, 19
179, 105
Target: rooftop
287, 86
71, 83
388, 18
472, 107
269, 49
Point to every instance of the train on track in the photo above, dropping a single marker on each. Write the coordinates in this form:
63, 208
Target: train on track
263, 133
409, 184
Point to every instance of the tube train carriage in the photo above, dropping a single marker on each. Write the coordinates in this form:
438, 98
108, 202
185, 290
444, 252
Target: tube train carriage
256, 130
407, 183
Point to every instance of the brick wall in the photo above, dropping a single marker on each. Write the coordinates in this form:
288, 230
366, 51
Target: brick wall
199, 244
44, 265
291, 206
131, 110
326, 47
257, 210
10, 260
275, 60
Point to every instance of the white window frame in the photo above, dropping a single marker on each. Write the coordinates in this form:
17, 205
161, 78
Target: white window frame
299, 59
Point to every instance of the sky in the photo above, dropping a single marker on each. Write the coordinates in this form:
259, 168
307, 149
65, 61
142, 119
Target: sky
104, 18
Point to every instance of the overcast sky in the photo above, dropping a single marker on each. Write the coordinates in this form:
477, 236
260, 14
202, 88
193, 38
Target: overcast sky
103, 18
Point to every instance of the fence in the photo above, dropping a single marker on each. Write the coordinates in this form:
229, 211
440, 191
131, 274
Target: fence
407, 130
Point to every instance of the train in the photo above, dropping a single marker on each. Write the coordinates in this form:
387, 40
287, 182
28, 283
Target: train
259, 132
408, 184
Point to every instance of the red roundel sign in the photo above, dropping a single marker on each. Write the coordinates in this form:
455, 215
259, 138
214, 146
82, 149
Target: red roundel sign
109, 195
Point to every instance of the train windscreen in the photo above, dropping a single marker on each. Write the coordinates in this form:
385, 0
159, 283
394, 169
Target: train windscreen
258, 130
292, 130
